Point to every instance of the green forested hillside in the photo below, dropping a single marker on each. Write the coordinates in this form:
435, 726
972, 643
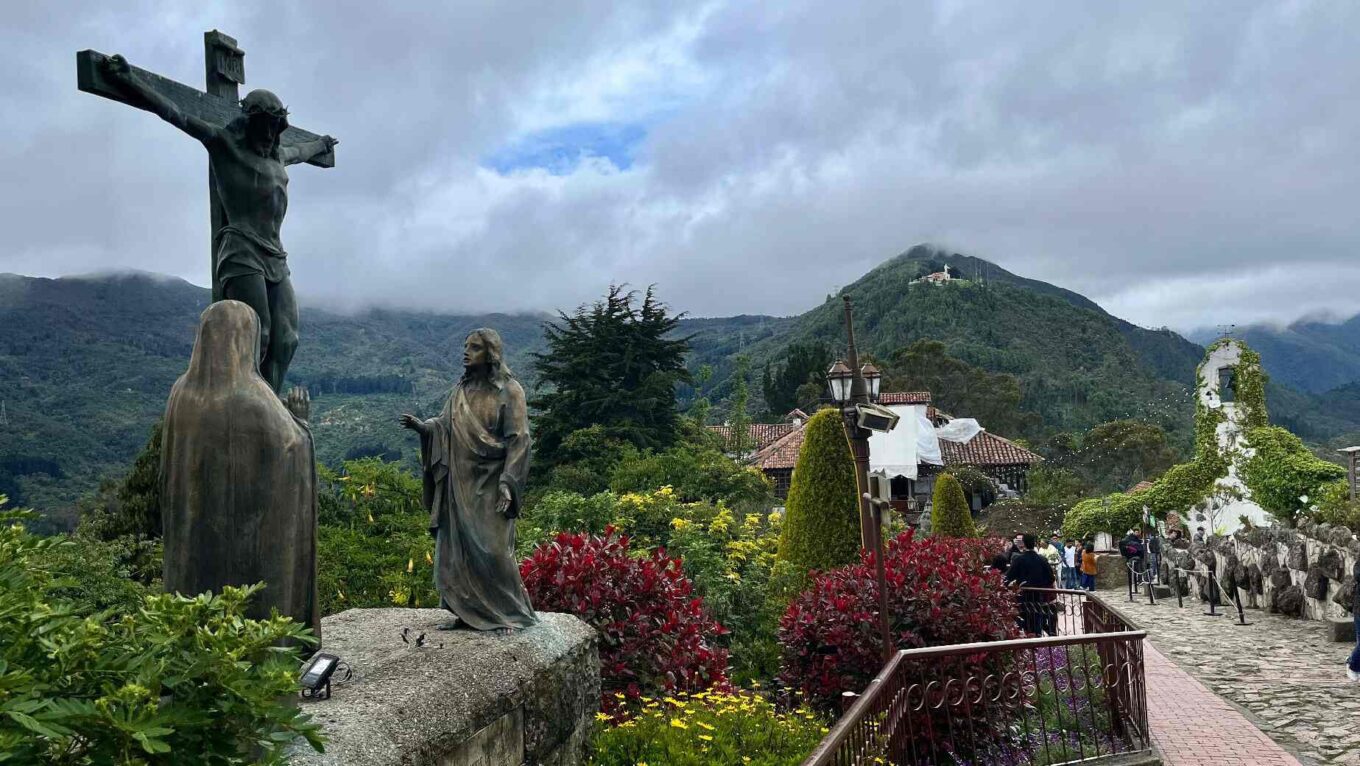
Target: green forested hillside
86, 363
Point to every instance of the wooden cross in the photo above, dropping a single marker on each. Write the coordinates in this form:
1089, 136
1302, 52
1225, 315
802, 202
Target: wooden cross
224, 63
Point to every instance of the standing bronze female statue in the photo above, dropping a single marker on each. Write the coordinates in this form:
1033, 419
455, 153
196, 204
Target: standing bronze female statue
475, 460
238, 475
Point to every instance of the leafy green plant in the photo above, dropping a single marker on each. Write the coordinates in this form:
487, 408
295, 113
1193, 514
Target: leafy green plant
821, 526
695, 472
949, 514
737, 728
179, 680
731, 559
1281, 471
373, 542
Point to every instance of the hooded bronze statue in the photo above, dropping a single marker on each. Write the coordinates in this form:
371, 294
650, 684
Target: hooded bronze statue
475, 460
238, 475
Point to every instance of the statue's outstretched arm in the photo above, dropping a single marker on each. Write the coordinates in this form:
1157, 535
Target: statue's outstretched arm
303, 152
117, 70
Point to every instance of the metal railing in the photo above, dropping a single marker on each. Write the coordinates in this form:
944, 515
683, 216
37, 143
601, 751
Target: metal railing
1071, 697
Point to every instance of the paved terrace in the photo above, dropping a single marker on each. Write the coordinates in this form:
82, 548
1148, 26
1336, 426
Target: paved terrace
1284, 674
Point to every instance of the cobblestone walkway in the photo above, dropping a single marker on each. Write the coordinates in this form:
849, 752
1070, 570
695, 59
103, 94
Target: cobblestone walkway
1285, 672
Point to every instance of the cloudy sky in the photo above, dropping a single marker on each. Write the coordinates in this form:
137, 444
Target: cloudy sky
1184, 164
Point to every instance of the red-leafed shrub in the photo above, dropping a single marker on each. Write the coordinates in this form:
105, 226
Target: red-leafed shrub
655, 635
940, 591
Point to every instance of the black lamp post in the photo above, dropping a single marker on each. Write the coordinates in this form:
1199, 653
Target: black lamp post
851, 387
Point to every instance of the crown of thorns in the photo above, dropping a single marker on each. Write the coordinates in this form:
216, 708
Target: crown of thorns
261, 106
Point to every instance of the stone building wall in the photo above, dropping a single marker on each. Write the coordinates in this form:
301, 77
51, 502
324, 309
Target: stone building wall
1304, 572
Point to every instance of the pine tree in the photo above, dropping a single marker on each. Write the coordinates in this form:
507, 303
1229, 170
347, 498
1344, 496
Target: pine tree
781, 385
740, 422
949, 515
611, 364
821, 525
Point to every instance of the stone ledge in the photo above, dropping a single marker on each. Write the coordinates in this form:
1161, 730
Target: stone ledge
409, 706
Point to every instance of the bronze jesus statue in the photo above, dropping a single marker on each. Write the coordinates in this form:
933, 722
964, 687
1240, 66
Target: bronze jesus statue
475, 460
247, 164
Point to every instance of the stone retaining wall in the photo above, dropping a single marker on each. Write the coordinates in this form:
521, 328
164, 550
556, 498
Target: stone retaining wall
1303, 572
463, 698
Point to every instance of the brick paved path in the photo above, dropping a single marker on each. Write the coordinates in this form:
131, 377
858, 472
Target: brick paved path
1285, 672
1219, 736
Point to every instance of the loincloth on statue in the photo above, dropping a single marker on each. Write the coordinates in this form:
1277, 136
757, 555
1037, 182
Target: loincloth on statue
241, 253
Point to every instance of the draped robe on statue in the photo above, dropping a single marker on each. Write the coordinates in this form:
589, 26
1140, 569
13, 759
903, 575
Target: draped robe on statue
238, 476
478, 444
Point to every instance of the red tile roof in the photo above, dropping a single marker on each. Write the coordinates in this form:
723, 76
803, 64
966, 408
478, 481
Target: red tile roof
781, 453
986, 449
904, 397
759, 435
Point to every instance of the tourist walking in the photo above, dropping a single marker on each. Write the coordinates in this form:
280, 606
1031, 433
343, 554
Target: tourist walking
1133, 550
1030, 570
1070, 573
1154, 556
1353, 665
1199, 535
1088, 566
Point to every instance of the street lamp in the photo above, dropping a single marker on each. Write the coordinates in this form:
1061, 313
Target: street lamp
853, 387
873, 377
838, 379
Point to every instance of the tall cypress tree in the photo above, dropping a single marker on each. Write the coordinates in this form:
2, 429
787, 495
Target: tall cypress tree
949, 513
612, 364
821, 523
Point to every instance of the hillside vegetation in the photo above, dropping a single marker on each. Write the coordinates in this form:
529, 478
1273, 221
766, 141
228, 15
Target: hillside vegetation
86, 364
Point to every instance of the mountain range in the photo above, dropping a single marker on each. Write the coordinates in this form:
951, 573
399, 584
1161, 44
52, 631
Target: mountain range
86, 362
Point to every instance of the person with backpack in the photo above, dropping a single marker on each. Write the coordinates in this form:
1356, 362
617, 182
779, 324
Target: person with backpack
1133, 551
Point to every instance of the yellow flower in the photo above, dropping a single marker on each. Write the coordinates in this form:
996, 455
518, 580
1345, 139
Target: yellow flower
678, 724
603, 717
705, 738
620, 695
410, 565
706, 726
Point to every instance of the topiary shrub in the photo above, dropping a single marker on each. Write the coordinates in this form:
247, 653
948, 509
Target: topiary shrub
178, 680
1281, 472
940, 591
821, 522
655, 636
949, 514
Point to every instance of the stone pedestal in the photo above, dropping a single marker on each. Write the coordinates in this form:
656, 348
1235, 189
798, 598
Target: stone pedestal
1112, 573
479, 700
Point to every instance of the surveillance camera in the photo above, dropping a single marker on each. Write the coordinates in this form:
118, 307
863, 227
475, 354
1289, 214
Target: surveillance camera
876, 417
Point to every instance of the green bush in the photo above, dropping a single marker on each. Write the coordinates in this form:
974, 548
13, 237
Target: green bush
707, 729
695, 472
1115, 514
821, 527
562, 511
373, 542
179, 680
949, 514
1282, 471
731, 560
1333, 505
96, 575
1053, 486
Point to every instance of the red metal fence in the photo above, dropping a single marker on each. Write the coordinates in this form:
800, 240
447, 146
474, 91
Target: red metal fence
1069, 697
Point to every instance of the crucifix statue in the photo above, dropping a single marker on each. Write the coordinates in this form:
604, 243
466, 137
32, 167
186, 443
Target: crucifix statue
249, 142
